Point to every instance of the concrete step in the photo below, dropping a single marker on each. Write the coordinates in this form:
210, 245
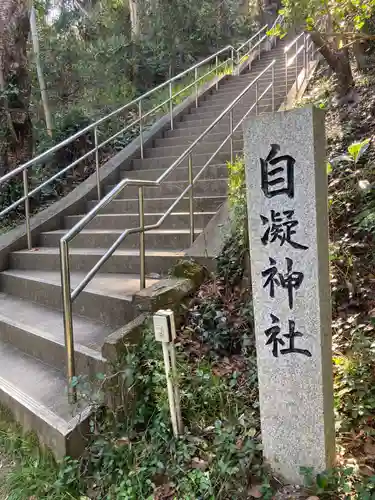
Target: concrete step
204, 147
199, 159
36, 395
239, 112
263, 81
219, 107
84, 259
181, 130
205, 187
169, 239
38, 331
124, 206
243, 80
248, 98
203, 123
235, 89
187, 140
179, 174
178, 220
225, 101
105, 301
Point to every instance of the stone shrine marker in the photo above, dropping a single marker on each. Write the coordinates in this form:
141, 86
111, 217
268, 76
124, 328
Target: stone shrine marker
288, 229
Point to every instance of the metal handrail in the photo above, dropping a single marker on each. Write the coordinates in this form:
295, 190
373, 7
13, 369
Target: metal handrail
250, 43
22, 169
68, 296
293, 42
308, 54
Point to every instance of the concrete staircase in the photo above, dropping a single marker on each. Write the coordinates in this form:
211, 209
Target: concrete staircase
32, 352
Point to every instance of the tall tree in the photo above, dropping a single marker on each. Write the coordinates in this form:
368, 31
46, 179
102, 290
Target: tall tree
15, 86
135, 19
42, 83
334, 26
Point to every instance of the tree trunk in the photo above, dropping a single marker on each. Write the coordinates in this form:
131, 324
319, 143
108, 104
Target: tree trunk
134, 19
360, 55
42, 83
16, 143
338, 61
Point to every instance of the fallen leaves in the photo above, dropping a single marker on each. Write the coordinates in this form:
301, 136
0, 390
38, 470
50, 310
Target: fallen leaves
255, 491
165, 492
123, 441
199, 463
366, 470
369, 448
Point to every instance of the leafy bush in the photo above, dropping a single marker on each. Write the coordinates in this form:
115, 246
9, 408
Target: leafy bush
233, 260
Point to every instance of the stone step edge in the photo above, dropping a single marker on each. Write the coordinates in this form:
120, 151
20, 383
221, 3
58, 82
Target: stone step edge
170, 198
179, 214
9, 272
24, 401
153, 232
80, 348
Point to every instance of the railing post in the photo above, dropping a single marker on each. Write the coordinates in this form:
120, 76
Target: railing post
250, 49
97, 166
217, 71
273, 88
142, 251
256, 97
296, 62
140, 127
304, 53
307, 53
171, 104
231, 134
286, 73
27, 208
191, 199
232, 58
68, 320
196, 86
260, 36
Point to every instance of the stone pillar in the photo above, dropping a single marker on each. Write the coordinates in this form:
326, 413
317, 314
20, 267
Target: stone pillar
288, 230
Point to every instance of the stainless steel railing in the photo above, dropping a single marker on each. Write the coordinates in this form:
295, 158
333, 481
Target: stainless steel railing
228, 52
70, 295
302, 44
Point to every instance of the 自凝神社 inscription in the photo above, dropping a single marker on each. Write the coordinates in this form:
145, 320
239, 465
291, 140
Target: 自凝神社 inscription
288, 230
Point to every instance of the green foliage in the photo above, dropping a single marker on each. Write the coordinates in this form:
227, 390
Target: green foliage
188, 268
35, 473
355, 153
232, 261
223, 320
237, 184
354, 384
334, 23
65, 125
345, 15
364, 221
339, 482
